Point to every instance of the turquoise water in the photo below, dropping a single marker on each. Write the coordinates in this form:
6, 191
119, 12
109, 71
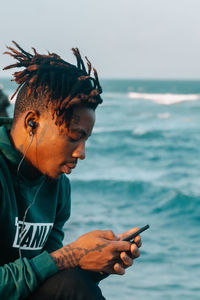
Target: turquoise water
143, 166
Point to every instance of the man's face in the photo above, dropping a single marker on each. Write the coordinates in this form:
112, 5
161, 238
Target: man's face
57, 153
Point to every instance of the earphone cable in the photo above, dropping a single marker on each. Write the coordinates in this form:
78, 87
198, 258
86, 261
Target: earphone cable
20, 163
24, 218
33, 202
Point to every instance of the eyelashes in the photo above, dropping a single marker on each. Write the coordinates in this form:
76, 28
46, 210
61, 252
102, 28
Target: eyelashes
74, 138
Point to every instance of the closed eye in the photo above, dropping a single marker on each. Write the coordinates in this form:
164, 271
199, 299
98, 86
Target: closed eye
77, 135
74, 139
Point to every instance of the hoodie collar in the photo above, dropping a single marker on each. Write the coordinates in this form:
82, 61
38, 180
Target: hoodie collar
11, 154
6, 146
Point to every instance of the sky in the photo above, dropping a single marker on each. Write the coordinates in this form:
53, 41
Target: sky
155, 39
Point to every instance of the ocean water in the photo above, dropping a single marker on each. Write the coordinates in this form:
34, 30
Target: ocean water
143, 166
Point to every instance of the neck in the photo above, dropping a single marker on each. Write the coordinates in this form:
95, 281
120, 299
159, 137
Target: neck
23, 145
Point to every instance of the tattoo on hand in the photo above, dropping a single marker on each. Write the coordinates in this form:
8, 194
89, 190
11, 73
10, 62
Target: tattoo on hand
69, 257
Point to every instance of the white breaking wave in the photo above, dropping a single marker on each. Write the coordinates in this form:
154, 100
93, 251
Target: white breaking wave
164, 116
109, 129
139, 131
165, 99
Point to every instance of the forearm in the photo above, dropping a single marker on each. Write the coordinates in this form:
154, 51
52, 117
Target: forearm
21, 277
65, 258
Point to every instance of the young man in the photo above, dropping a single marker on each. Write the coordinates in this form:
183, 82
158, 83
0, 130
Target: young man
53, 118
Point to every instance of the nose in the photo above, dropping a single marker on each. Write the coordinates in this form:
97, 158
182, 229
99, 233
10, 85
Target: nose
79, 152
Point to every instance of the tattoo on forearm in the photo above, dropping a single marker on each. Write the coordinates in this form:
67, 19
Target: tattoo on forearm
59, 261
69, 257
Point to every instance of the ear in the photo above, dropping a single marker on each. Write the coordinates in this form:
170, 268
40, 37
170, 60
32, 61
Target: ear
31, 122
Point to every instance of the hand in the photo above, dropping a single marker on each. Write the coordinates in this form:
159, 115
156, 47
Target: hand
100, 250
95, 251
128, 258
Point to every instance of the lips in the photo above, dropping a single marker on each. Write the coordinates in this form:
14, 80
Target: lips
71, 166
67, 168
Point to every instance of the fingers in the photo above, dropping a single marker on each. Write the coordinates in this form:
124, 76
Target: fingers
118, 269
135, 252
127, 260
127, 233
137, 239
120, 246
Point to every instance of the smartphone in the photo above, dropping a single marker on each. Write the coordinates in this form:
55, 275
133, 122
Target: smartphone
131, 237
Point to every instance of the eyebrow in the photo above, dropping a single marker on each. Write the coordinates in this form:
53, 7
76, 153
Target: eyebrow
81, 131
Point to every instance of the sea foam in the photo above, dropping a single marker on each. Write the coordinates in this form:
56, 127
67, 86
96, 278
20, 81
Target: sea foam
165, 99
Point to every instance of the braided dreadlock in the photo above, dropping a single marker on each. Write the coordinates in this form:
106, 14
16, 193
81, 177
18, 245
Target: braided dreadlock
49, 81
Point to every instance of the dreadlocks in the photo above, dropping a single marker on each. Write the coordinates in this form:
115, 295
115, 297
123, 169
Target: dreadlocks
49, 81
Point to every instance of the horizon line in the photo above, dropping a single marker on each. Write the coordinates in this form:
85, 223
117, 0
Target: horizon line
134, 78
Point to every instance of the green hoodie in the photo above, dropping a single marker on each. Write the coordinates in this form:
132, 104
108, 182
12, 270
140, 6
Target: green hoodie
42, 227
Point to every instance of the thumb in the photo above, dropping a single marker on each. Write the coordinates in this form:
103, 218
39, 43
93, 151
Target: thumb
127, 233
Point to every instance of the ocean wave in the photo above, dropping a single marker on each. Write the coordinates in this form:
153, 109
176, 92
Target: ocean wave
114, 95
165, 99
179, 204
137, 132
162, 198
164, 116
129, 191
96, 185
110, 129
148, 134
